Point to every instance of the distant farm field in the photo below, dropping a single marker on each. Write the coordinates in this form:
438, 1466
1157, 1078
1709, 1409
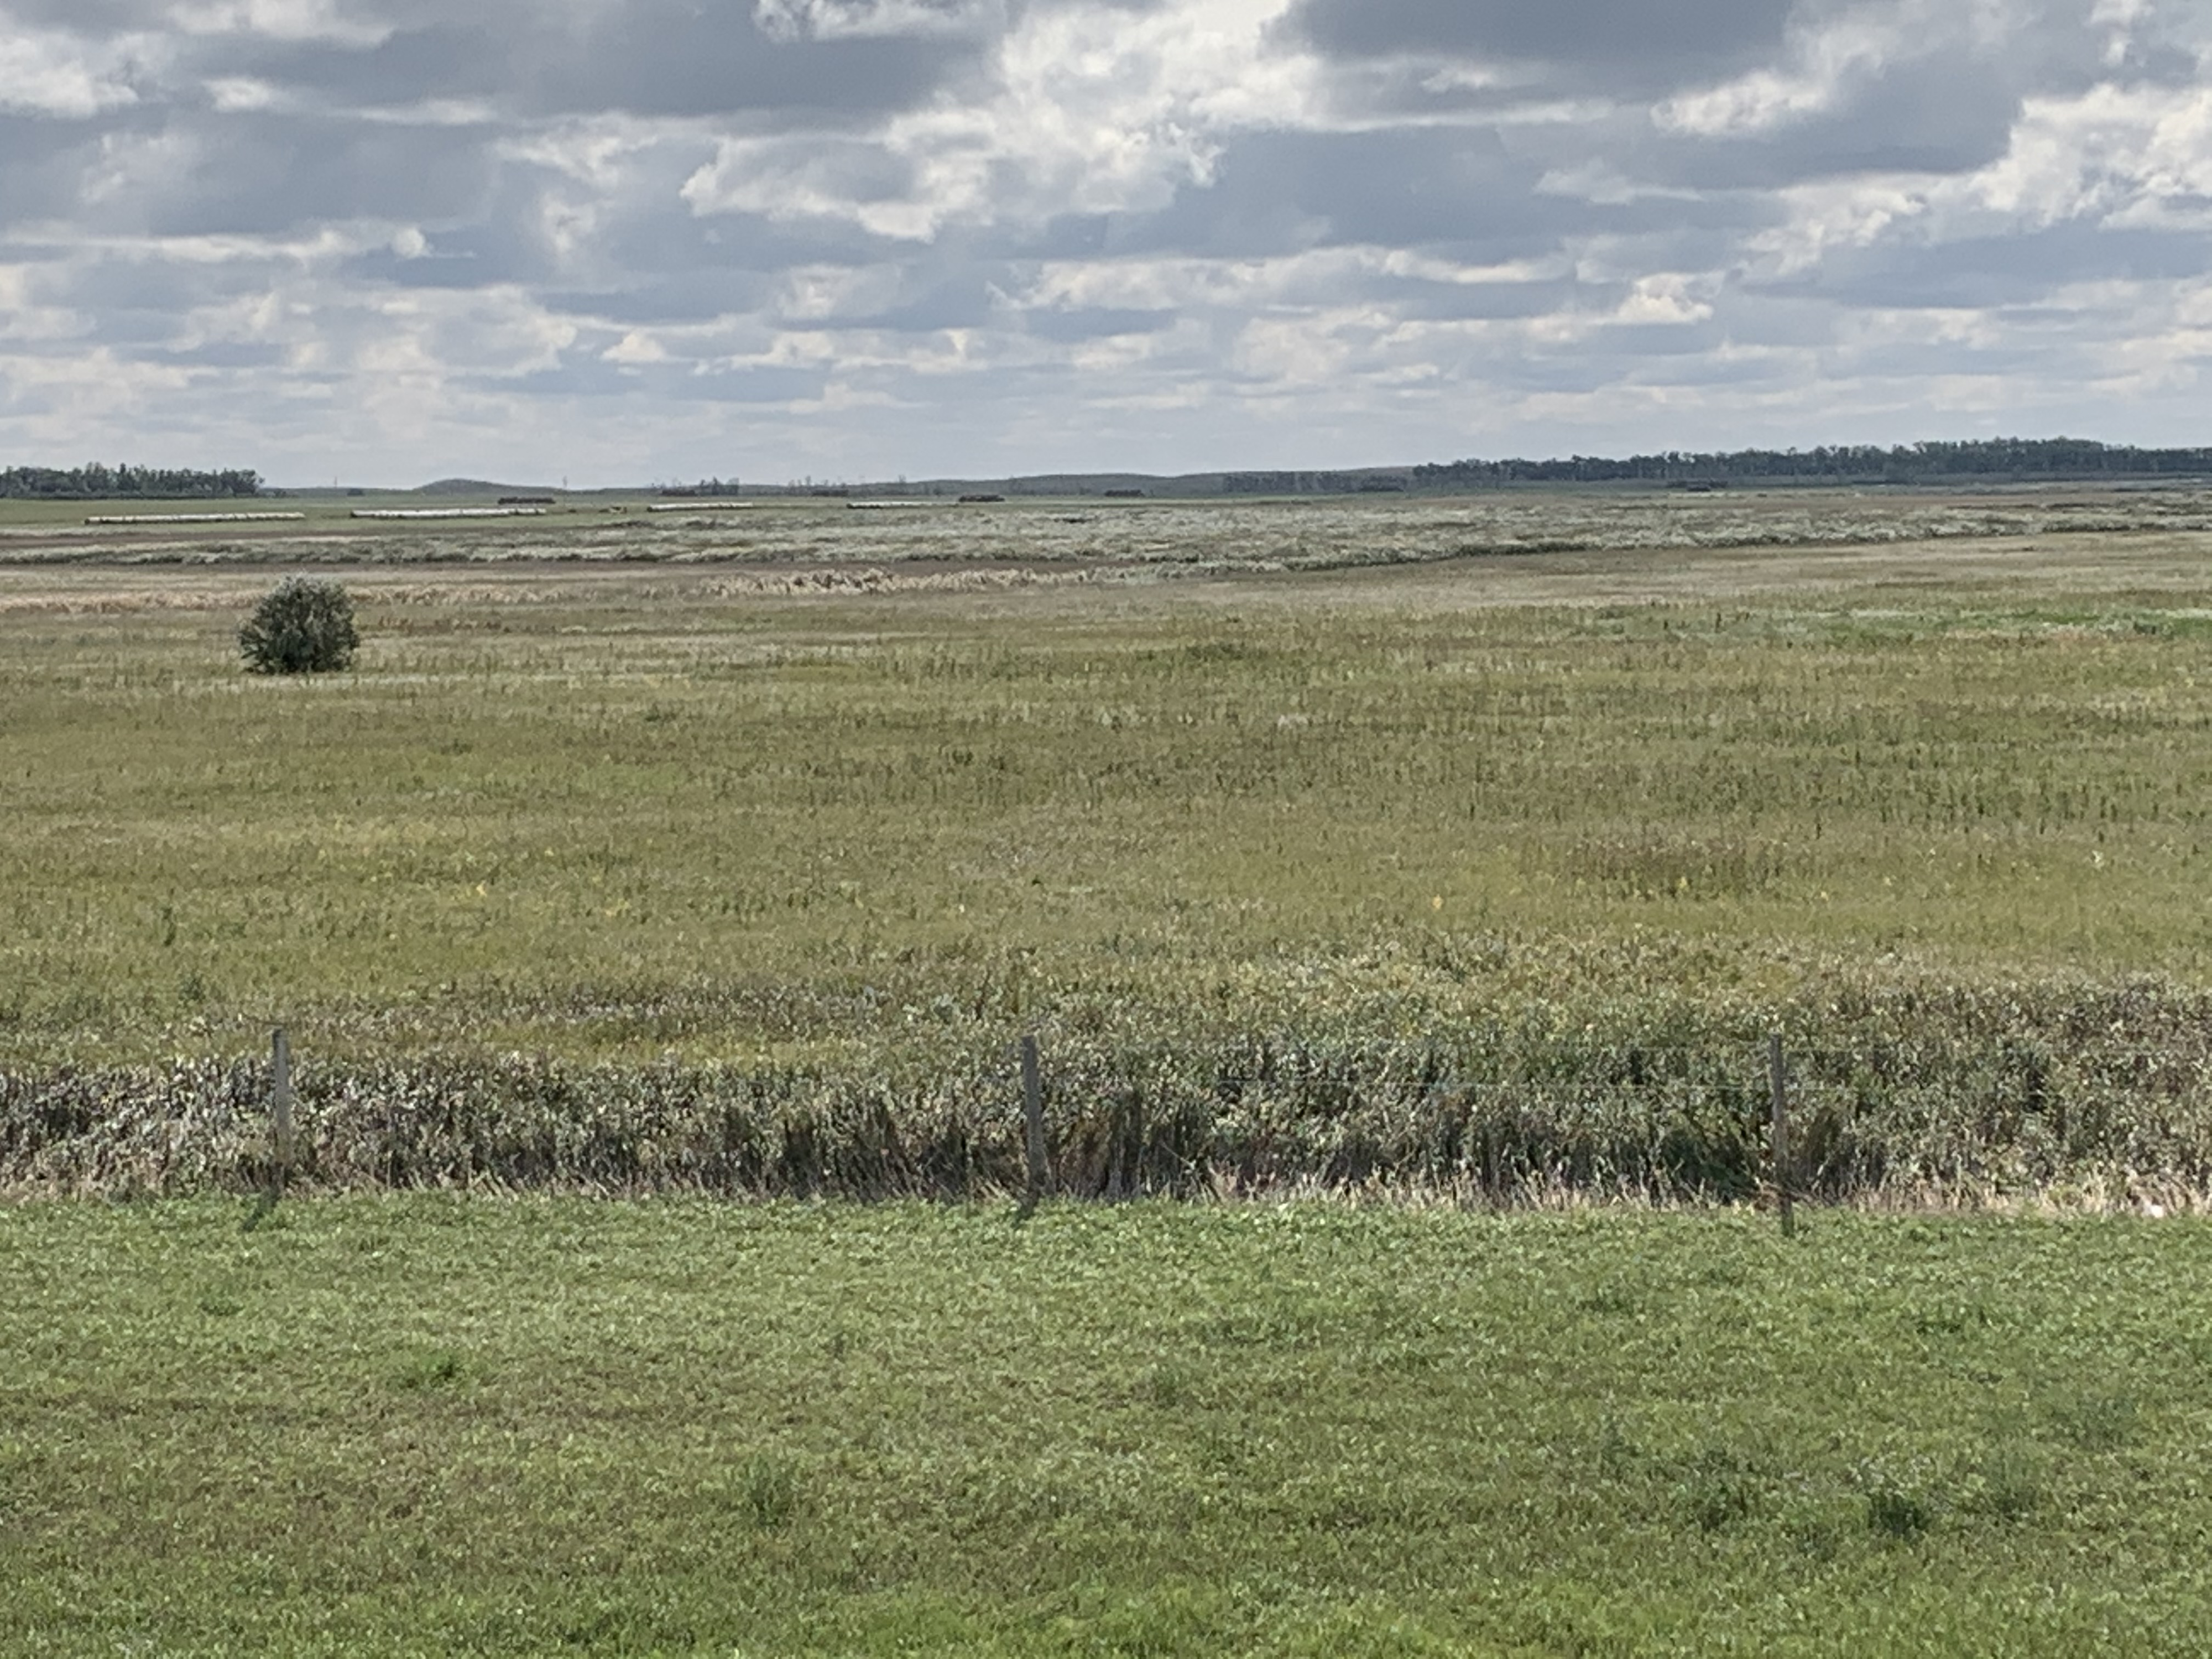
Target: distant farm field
1342, 842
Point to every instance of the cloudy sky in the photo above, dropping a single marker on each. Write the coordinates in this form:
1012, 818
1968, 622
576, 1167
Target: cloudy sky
631, 239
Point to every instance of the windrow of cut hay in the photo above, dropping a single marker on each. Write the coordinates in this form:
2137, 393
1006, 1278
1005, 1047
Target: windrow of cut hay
1899, 1093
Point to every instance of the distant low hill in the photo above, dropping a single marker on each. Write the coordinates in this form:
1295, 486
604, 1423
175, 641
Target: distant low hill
480, 487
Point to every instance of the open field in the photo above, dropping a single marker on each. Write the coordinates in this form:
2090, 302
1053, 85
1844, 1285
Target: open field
1364, 846
1091, 540
740, 863
423, 1424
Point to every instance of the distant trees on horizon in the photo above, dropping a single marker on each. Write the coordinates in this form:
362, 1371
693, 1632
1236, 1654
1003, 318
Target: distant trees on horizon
94, 481
2012, 457
2019, 458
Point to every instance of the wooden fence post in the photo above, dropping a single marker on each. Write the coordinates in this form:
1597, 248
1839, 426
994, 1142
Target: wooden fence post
280, 1105
1033, 1120
1778, 1086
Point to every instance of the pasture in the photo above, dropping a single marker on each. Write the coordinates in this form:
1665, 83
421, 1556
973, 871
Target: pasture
1455, 855
1481, 864
432, 1425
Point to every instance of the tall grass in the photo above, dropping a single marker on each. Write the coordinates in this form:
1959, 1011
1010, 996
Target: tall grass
1896, 1092
1458, 879
1163, 538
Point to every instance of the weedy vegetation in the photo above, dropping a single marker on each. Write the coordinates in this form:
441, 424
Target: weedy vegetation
1487, 875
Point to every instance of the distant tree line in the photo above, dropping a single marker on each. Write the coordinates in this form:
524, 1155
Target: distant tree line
2007, 458
94, 481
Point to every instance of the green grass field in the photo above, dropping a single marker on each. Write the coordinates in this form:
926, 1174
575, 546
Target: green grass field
435, 1425
1459, 853
822, 830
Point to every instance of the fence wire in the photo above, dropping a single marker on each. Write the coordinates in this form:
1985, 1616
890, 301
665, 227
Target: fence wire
1484, 1114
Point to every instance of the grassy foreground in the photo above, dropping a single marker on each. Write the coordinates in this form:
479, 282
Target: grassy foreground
429, 1424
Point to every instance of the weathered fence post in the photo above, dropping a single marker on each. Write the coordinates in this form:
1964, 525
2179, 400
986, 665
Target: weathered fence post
1033, 1120
1778, 1087
280, 1107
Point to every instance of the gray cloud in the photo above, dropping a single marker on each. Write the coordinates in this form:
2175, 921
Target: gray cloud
669, 58
43, 164
2001, 272
409, 66
658, 57
1153, 232
1939, 114
1635, 41
270, 173
1081, 323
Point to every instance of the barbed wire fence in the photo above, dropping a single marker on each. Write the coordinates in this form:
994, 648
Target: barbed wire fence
1488, 1117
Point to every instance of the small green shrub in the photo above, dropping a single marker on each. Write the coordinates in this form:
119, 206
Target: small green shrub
1168, 1385
439, 1367
2098, 1422
770, 1491
302, 626
1897, 1513
2007, 1484
1899, 1502
1719, 1489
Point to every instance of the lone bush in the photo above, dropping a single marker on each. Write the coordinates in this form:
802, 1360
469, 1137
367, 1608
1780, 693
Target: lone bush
301, 626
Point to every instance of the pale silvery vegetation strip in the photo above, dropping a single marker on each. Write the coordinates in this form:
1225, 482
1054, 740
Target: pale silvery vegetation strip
1899, 1094
190, 518
448, 513
1204, 538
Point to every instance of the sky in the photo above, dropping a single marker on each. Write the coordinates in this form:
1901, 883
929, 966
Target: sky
619, 241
